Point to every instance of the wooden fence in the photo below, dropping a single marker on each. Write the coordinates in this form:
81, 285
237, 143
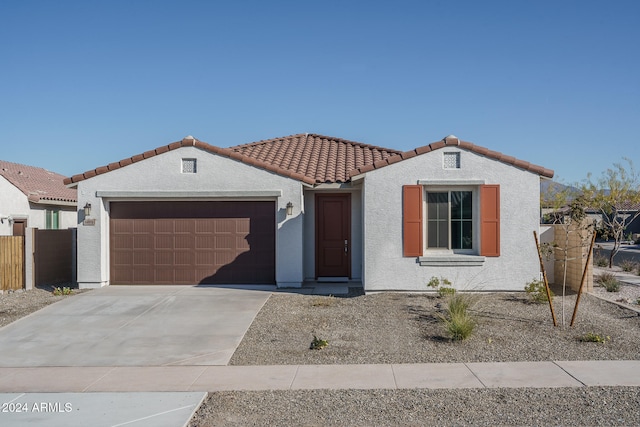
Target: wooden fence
11, 262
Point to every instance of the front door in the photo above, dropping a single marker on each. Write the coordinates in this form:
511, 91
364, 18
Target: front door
333, 235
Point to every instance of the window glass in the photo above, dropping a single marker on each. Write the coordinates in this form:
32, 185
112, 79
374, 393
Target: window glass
450, 220
438, 220
52, 219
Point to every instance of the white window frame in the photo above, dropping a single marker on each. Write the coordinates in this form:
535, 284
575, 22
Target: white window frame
475, 248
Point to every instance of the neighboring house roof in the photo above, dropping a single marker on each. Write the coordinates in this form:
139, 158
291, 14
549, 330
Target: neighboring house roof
314, 159
38, 184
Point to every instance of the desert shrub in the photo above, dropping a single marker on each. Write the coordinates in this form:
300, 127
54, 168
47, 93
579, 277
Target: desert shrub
537, 291
608, 281
318, 344
442, 285
62, 291
458, 322
628, 265
591, 337
600, 261
444, 291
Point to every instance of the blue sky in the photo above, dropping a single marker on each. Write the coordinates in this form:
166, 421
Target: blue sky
86, 83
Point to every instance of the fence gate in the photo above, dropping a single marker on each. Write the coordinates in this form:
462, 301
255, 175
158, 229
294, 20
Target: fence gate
11, 262
53, 256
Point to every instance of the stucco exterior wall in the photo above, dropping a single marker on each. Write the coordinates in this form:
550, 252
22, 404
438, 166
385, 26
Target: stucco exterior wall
385, 266
67, 216
162, 173
13, 203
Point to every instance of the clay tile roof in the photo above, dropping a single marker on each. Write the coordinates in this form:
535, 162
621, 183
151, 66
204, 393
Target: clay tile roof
321, 159
454, 141
39, 185
313, 159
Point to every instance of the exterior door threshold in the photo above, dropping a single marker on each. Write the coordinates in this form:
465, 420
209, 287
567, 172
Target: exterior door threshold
333, 279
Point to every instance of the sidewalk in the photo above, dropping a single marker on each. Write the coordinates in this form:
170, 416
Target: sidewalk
306, 377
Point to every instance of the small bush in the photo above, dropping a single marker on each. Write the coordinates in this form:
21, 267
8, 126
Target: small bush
318, 344
445, 291
601, 261
442, 285
458, 322
608, 281
537, 291
591, 337
628, 266
62, 291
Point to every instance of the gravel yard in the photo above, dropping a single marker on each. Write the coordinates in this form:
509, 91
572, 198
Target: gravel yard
402, 328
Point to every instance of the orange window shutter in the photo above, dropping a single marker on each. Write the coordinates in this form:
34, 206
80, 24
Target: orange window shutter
412, 220
490, 220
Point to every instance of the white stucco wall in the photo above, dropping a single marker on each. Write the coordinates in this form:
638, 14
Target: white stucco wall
13, 203
162, 173
385, 266
67, 216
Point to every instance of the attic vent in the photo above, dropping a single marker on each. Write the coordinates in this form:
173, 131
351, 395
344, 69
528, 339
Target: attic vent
189, 166
452, 160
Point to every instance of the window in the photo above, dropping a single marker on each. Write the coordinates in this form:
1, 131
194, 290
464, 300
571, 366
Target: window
459, 219
189, 166
52, 221
450, 220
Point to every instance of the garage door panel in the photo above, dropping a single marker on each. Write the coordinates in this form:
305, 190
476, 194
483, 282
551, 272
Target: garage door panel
184, 226
141, 259
186, 241
142, 241
204, 226
162, 226
192, 242
163, 242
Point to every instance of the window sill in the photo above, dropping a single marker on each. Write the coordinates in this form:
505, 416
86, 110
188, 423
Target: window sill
451, 260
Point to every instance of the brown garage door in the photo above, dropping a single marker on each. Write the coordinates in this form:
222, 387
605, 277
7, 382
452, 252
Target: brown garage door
192, 242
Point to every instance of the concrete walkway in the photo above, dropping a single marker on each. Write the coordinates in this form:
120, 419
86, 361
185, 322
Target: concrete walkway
169, 395
305, 377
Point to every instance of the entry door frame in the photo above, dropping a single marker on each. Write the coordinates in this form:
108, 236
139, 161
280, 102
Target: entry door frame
322, 243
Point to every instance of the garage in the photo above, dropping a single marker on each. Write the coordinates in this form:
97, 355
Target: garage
198, 242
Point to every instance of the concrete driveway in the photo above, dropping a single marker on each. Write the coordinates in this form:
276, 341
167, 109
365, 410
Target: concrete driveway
134, 326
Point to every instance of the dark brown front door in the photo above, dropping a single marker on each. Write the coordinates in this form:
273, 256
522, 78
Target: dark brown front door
19, 227
192, 242
333, 235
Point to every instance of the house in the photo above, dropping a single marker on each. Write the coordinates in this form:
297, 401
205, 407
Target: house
34, 197
308, 207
